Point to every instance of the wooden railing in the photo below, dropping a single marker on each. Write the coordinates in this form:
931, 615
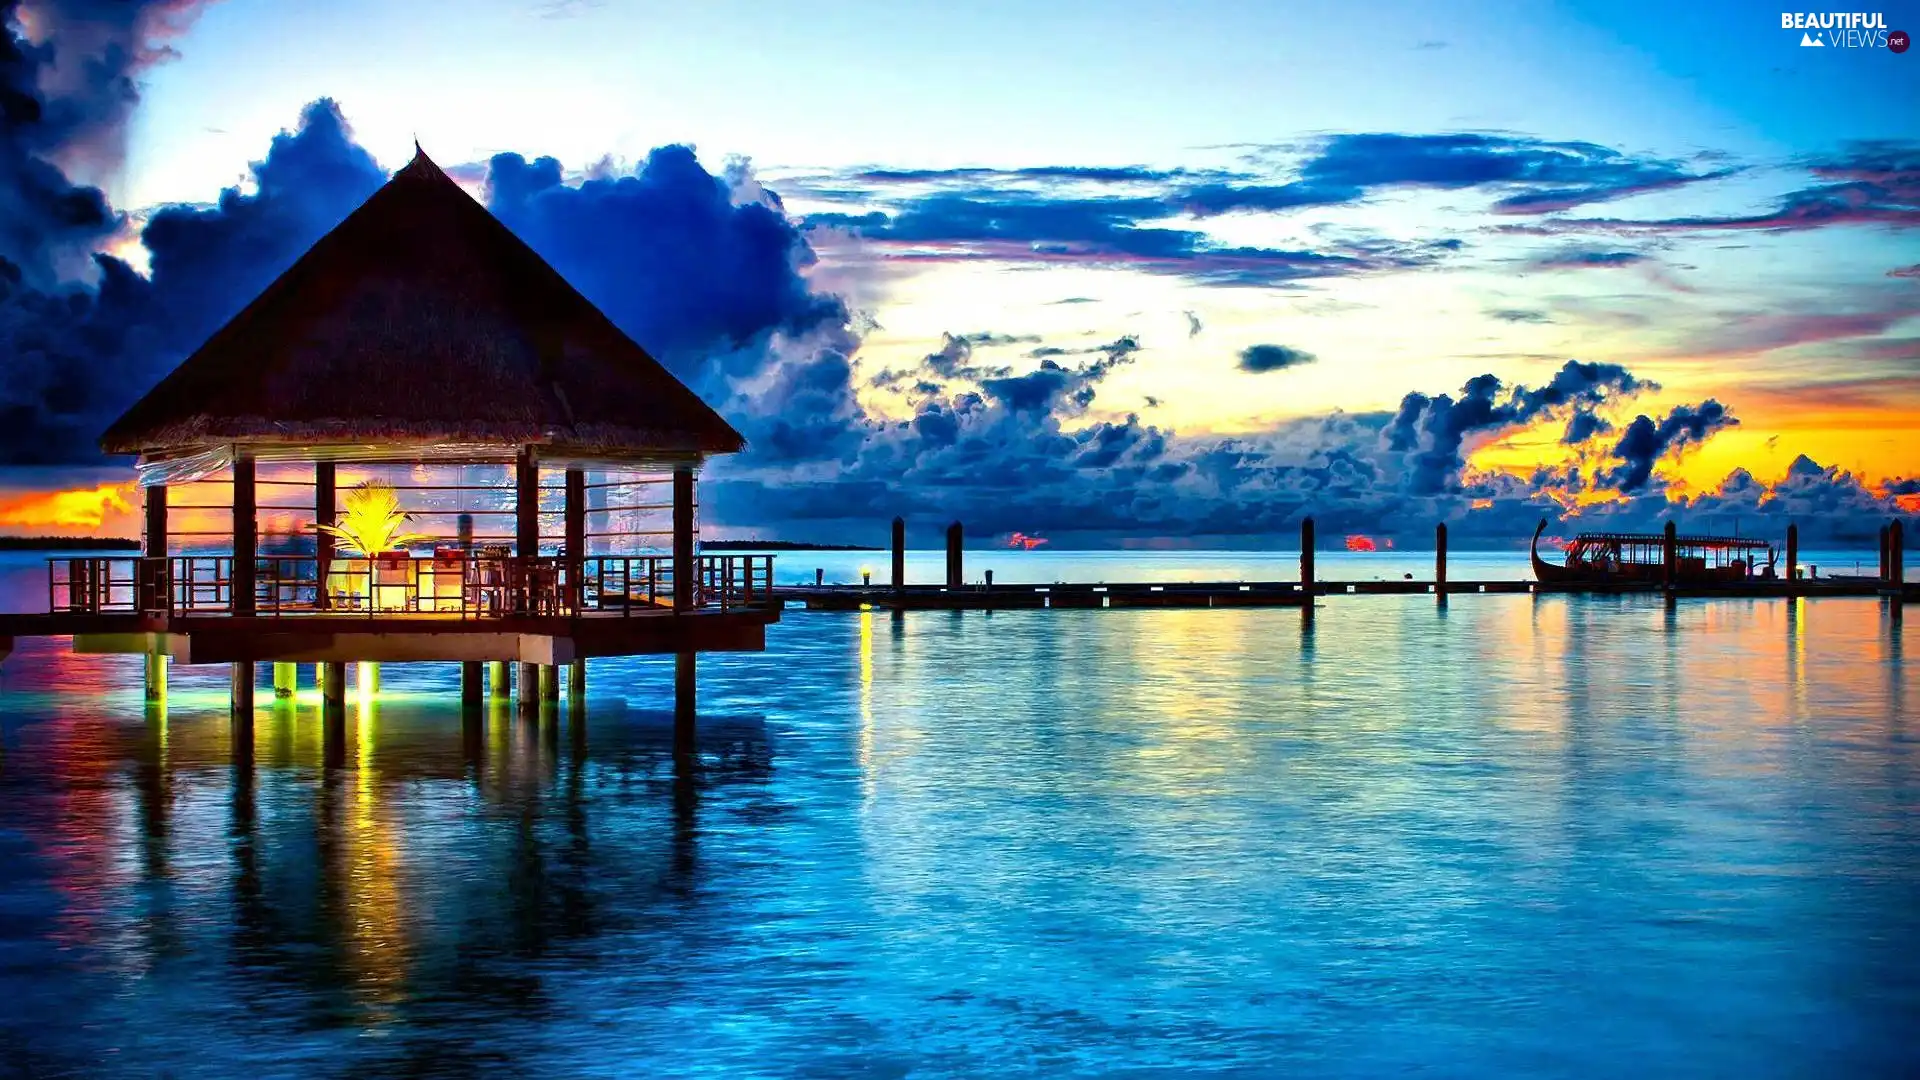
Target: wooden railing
461, 585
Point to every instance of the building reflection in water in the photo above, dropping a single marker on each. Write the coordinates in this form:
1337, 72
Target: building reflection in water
440, 865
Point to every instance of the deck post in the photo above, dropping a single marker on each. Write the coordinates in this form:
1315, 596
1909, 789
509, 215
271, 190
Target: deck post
956, 575
470, 688
156, 676
246, 534
1440, 563
242, 700
1884, 575
497, 686
899, 554
1306, 556
576, 543
1670, 558
683, 568
1793, 554
684, 703
368, 678
1897, 552
324, 513
286, 679
526, 504
154, 546
577, 685
549, 682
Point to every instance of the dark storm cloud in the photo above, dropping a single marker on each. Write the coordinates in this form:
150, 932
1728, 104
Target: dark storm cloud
670, 254
1647, 440
1263, 358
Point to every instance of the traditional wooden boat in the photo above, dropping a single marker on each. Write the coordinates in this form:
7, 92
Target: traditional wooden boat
1627, 558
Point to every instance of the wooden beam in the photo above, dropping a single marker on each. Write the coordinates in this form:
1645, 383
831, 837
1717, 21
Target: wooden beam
576, 549
683, 567
324, 512
246, 534
526, 504
154, 546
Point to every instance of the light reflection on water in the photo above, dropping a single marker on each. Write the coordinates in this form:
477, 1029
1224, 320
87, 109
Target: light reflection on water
1541, 836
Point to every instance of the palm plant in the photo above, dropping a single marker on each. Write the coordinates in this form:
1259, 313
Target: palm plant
371, 521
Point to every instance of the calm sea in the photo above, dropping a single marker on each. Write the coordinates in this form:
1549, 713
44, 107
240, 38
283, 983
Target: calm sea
1521, 836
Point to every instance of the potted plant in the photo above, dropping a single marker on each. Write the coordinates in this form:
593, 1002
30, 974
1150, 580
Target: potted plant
371, 525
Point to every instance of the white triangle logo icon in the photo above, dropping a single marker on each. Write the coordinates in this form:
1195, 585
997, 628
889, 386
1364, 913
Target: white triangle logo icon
1808, 41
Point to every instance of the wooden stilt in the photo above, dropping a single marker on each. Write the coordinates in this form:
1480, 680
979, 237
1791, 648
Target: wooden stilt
1440, 563
369, 678
685, 703
549, 682
527, 686
498, 686
956, 570
333, 712
1670, 560
242, 699
286, 679
156, 676
577, 683
1793, 553
1307, 584
470, 684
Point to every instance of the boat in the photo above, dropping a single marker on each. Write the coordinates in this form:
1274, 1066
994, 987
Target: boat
1640, 558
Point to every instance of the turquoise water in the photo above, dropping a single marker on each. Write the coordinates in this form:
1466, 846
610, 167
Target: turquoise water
1542, 836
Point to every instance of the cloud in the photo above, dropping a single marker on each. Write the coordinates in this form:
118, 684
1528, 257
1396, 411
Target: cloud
1537, 176
1519, 315
1905, 271
1646, 440
1578, 259
1263, 358
1870, 183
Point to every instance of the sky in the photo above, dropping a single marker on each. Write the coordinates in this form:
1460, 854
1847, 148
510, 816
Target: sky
1110, 272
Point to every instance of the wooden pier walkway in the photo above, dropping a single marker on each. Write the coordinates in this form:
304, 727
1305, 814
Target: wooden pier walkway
1245, 594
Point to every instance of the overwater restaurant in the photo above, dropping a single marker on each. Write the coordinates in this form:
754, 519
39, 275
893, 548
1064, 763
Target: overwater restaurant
419, 442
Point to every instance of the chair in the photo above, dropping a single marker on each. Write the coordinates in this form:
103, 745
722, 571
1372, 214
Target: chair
393, 589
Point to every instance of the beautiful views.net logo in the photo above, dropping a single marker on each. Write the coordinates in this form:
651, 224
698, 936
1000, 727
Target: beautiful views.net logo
1844, 30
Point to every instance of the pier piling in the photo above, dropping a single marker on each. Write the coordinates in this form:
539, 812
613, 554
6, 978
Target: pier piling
684, 704
1886, 573
577, 687
286, 679
1670, 559
1793, 553
526, 685
1440, 563
242, 701
368, 678
1897, 569
550, 682
497, 685
955, 575
156, 676
899, 553
1306, 568
333, 711
471, 676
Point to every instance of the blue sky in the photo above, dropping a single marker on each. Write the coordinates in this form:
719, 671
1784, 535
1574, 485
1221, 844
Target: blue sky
1239, 239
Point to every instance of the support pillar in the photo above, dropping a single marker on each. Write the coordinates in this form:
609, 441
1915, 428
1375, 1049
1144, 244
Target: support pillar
1793, 554
368, 678
956, 575
683, 568
156, 676
1670, 560
1307, 585
324, 513
286, 679
1897, 552
899, 554
333, 712
550, 682
1440, 563
577, 686
1884, 575
242, 700
497, 686
527, 685
471, 678
684, 703
246, 535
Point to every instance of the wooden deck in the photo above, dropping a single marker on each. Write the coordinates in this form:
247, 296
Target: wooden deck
320, 637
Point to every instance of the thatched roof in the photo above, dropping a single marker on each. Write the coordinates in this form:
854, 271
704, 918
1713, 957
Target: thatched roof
419, 320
